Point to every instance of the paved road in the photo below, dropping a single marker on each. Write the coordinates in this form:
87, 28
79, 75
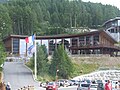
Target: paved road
18, 75
63, 88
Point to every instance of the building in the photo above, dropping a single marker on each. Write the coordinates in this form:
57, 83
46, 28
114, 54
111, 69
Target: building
112, 27
96, 42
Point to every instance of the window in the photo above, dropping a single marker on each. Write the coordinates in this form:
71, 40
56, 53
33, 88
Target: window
96, 39
15, 45
88, 40
81, 41
112, 30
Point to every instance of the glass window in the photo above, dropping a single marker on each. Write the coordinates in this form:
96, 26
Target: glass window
88, 38
118, 22
81, 38
96, 39
15, 45
112, 30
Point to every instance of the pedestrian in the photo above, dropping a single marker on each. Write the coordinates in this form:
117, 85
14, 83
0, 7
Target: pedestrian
8, 86
108, 85
116, 86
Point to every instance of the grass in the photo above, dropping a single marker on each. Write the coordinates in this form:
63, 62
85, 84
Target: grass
85, 65
45, 78
84, 68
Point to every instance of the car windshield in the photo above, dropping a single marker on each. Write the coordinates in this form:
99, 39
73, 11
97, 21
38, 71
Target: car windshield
50, 83
93, 86
72, 80
85, 85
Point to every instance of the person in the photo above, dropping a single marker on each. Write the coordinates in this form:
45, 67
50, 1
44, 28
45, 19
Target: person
108, 85
116, 86
8, 86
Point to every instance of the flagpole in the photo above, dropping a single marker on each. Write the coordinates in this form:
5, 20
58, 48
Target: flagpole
35, 63
26, 53
26, 50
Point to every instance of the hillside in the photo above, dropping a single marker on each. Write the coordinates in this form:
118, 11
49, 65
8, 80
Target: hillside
52, 17
110, 62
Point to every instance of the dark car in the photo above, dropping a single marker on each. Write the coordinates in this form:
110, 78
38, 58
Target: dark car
52, 86
100, 86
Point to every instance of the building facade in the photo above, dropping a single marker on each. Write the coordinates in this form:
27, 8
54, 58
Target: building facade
90, 43
112, 27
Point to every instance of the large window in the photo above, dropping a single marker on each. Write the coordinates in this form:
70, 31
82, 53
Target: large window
74, 42
88, 38
96, 40
15, 45
81, 41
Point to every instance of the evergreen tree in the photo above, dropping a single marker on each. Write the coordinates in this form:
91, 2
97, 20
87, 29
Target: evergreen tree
5, 22
61, 62
41, 60
2, 53
49, 17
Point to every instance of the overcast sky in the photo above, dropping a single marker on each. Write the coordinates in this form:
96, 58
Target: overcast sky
111, 2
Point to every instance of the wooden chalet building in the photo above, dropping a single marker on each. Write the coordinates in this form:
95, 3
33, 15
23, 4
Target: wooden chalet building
96, 42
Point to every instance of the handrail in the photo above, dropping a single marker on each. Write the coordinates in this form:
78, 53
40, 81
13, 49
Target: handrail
95, 46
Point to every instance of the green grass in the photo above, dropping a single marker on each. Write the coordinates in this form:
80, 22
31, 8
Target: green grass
84, 68
80, 68
45, 78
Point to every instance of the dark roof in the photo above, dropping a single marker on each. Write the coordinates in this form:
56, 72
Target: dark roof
111, 20
63, 36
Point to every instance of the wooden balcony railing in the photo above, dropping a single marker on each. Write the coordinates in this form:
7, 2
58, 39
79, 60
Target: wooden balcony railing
94, 46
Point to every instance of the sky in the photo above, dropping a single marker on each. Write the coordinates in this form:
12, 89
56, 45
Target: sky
111, 2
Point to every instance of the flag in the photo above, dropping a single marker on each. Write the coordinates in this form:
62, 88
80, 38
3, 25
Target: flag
31, 49
29, 39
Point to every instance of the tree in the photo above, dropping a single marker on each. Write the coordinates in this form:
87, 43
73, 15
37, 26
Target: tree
61, 62
5, 22
41, 60
2, 53
49, 17
42, 66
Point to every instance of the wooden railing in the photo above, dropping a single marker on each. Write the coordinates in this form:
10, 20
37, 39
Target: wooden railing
95, 46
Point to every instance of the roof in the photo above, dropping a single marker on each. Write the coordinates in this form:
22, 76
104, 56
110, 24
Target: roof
116, 18
63, 36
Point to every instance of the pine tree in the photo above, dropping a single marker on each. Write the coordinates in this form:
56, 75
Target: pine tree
61, 62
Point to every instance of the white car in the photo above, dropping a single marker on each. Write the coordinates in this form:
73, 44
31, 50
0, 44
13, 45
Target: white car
87, 86
84, 86
93, 87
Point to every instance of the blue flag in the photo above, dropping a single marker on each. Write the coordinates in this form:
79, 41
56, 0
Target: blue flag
31, 49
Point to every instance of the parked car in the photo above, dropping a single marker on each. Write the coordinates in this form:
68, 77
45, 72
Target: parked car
83, 86
52, 86
70, 83
43, 85
74, 82
61, 82
93, 87
100, 86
